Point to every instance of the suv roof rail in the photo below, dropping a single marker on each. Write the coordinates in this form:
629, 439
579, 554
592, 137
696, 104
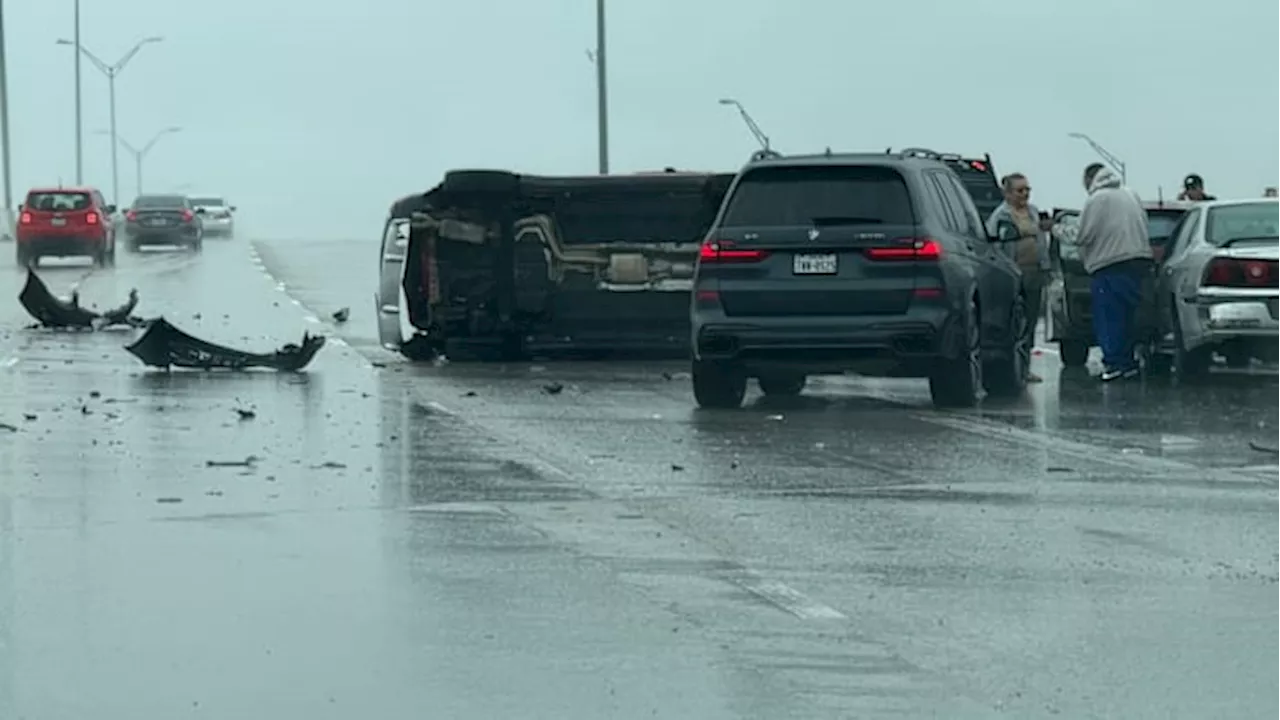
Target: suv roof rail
933, 155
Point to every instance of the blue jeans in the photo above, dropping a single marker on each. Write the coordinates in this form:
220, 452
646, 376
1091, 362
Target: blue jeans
1116, 293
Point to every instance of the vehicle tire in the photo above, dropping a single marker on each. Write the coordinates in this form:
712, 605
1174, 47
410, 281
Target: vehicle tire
197, 245
100, 257
1189, 365
1006, 376
957, 381
485, 182
419, 348
1074, 353
785, 384
111, 254
1158, 364
718, 384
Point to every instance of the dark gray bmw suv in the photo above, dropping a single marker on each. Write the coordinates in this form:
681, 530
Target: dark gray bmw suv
874, 263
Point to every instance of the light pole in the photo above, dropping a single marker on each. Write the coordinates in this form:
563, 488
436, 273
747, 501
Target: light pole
79, 111
751, 125
4, 124
140, 154
602, 90
1116, 163
111, 71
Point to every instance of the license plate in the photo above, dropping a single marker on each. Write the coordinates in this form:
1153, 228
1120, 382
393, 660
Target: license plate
58, 221
155, 221
824, 264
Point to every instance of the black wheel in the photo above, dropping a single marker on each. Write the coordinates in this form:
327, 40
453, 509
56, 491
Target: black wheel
782, 383
1006, 376
957, 381
1074, 353
420, 348
1157, 364
100, 256
718, 384
486, 182
1190, 365
197, 245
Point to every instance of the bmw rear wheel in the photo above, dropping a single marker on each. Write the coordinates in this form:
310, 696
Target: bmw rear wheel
957, 381
1006, 376
718, 384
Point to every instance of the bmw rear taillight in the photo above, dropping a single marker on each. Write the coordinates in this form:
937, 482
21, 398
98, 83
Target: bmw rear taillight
25, 218
188, 216
926, 249
719, 252
91, 217
131, 215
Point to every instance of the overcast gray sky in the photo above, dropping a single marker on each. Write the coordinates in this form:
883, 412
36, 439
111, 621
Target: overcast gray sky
313, 116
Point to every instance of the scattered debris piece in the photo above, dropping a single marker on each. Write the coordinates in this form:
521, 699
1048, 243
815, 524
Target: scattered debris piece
52, 312
342, 315
246, 414
667, 375
469, 393
553, 388
773, 417
169, 500
165, 346
8, 427
329, 465
196, 316
1263, 448
247, 462
30, 417
1058, 469
84, 410
95, 394
677, 468
213, 493
377, 364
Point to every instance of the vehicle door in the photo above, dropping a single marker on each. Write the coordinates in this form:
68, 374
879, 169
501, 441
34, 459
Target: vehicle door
106, 217
995, 274
1179, 274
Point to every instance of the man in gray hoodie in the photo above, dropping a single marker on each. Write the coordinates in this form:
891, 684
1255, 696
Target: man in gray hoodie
1116, 253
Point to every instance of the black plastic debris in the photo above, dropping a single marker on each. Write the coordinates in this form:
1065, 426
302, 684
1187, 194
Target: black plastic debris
342, 315
53, 312
554, 388
165, 346
246, 414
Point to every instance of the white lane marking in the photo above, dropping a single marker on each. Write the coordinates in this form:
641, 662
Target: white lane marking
787, 598
1079, 450
440, 408
9, 362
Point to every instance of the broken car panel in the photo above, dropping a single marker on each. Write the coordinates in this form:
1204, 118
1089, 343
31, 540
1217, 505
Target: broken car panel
499, 265
165, 346
53, 312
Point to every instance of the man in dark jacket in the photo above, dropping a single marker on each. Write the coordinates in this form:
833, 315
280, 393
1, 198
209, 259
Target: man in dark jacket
1193, 189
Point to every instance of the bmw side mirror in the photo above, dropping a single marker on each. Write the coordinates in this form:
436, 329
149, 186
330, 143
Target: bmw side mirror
1006, 232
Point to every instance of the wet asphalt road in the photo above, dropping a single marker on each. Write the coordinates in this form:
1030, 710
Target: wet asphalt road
465, 542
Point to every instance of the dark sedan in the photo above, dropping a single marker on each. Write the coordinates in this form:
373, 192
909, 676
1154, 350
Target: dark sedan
163, 220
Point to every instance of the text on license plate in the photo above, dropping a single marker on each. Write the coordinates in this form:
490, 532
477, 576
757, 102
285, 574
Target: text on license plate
811, 264
58, 221
156, 221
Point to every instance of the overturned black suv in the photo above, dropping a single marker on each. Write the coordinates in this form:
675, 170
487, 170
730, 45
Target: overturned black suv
876, 263
496, 265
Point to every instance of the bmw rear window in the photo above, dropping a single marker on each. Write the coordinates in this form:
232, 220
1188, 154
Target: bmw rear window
160, 202
207, 202
802, 195
58, 201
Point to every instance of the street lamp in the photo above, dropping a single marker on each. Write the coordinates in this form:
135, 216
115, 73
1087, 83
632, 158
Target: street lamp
1116, 163
140, 154
4, 125
759, 135
111, 71
602, 90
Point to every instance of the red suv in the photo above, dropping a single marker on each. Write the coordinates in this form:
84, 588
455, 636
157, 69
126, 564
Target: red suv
63, 222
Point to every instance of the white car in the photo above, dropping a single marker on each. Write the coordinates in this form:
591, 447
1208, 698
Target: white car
216, 213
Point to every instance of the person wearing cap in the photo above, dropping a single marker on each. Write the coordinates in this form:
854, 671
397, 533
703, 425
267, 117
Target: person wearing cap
1116, 252
1030, 252
1193, 189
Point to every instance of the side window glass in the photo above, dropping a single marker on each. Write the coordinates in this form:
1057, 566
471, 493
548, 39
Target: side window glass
950, 217
968, 211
